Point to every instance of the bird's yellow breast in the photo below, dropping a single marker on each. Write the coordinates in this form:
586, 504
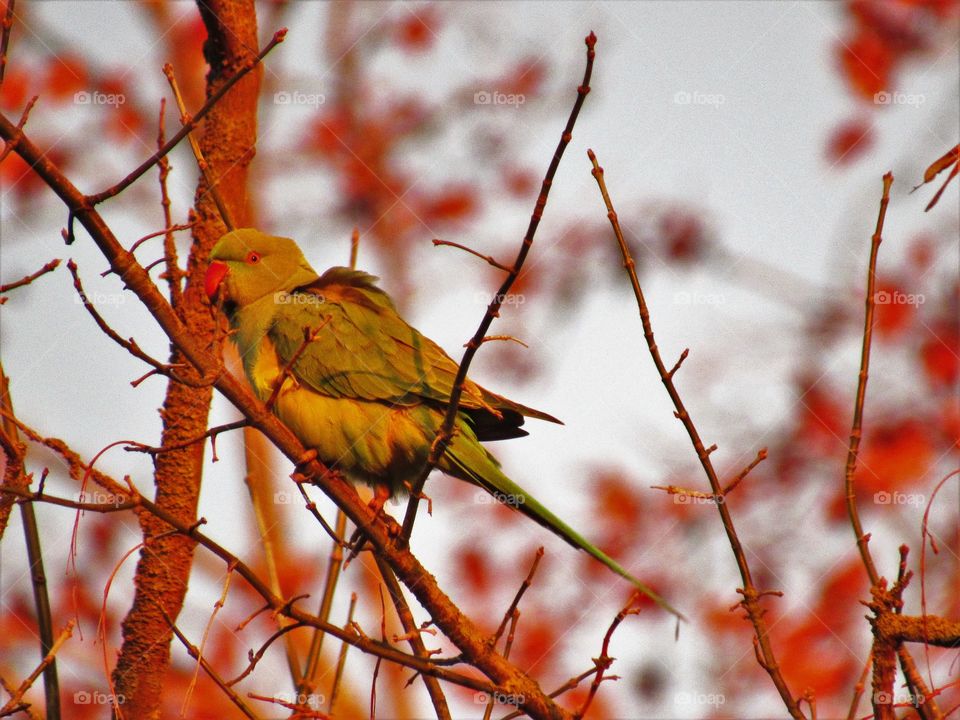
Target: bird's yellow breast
265, 372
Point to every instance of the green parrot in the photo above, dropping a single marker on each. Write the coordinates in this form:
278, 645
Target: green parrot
367, 391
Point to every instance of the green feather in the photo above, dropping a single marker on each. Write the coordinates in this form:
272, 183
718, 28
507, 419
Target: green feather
467, 459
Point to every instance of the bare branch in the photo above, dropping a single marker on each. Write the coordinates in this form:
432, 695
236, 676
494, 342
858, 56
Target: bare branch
750, 594
446, 430
49, 267
29, 680
488, 258
110, 192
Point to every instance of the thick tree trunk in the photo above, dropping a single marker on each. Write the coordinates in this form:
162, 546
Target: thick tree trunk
163, 571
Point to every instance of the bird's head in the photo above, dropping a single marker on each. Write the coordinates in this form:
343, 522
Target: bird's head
246, 265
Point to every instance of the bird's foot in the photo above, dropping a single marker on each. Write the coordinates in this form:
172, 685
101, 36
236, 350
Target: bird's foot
381, 494
300, 473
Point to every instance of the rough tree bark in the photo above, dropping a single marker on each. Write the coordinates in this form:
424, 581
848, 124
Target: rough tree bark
163, 570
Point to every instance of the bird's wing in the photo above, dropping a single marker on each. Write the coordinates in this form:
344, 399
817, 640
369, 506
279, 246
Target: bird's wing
365, 350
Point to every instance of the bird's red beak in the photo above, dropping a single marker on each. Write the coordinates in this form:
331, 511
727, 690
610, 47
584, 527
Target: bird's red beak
215, 275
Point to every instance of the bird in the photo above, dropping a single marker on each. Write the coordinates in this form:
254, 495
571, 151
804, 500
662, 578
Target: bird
340, 367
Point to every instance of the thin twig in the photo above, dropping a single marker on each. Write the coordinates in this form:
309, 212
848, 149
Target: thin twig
47, 660
191, 686
49, 267
255, 657
354, 247
749, 592
110, 192
208, 669
334, 563
761, 456
376, 667
413, 636
524, 586
604, 661
856, 431
5, 40
859, 688
173, 273
309, 335
41, 596
197, 152
342, 658
274, 602
11, 143
445, 432
487, 258
260, 487
461, 630
167, 229
212, 433
130, 345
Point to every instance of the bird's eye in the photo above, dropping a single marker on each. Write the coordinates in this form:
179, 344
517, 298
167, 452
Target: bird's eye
253, 257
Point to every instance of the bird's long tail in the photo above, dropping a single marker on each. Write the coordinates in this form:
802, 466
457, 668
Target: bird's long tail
469, 460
